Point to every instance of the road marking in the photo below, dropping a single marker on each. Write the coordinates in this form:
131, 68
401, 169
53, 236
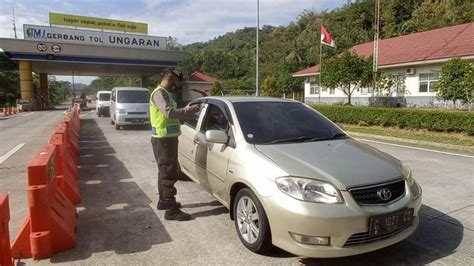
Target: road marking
11, 152
416, 148
92, 111
27, 114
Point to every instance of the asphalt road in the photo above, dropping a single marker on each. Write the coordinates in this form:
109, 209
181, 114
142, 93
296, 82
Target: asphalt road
118, 223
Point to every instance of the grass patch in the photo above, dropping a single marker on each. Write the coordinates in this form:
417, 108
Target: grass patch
423, 135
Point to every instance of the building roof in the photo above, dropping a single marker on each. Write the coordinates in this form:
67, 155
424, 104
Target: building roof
310, 71
199, 76
418, 48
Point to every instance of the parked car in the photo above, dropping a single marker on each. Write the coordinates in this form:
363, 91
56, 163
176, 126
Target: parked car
129, 106
25, 105
102, 104
293, 179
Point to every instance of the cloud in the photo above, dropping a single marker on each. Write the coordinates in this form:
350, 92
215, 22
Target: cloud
188, 20
192, 21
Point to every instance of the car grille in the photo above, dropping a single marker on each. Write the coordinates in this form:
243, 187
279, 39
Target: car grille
136, 113
365, 238
368, 195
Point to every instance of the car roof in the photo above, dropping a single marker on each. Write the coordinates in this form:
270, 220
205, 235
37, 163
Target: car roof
104, 92
239, 99
131, 88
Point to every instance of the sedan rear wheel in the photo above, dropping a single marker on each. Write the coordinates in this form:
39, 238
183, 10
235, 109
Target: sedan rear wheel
251, 221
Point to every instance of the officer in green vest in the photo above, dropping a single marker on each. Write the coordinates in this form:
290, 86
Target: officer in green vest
166, 122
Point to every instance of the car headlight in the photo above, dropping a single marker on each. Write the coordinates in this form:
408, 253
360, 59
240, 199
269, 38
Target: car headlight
412, 184
121, 111
407, 174
309, 190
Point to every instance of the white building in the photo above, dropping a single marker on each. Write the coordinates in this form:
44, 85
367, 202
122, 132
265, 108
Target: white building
414, 59
199, 85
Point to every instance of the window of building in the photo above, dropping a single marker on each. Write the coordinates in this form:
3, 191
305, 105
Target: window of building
313, 88
332, 91
428, 82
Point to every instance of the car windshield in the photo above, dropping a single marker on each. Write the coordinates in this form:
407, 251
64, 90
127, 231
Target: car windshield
104, 97
283, 122
133, 96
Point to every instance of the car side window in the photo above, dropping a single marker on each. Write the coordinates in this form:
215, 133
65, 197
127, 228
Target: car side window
215, 119
113, 96
192, 123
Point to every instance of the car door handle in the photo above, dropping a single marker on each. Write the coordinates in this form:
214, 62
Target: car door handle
196, 141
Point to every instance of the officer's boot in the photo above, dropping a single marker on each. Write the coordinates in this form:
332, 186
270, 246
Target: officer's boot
177, 214
166, 204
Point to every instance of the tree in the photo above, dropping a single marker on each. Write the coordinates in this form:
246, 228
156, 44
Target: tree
387, 83
456, 81
285, 82
347, 72
269, 87
216, 89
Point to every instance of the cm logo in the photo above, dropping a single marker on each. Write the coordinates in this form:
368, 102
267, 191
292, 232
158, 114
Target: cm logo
35, 33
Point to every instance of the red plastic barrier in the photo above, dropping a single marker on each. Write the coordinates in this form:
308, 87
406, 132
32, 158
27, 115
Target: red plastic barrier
66, 169
5, 251
51, 224
71, 141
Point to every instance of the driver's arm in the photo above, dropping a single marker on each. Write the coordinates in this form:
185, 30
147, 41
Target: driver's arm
163, 103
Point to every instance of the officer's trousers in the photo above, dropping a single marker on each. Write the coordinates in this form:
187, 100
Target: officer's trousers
166, 156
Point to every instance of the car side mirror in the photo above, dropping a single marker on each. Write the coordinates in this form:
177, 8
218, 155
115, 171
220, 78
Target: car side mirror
217, 136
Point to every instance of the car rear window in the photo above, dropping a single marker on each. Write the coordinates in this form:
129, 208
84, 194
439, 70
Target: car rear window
104, 97
130, 96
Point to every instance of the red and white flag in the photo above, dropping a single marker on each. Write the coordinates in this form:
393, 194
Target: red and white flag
326, 38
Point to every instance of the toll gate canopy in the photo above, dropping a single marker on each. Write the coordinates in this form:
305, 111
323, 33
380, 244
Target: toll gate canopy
89, 60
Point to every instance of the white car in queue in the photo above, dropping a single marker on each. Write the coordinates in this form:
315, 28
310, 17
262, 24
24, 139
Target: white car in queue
293, 179
129, 106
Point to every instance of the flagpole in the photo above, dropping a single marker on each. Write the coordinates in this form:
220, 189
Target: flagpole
320, 63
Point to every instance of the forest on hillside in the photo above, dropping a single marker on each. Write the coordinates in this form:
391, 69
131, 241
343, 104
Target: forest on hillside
286, 49
283, 49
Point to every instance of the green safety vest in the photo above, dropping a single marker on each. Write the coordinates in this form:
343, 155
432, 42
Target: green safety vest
161, 126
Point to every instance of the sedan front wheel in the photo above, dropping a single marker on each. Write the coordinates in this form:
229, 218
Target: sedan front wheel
251, 221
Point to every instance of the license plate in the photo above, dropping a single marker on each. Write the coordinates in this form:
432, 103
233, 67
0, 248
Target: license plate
137, 120
388, 223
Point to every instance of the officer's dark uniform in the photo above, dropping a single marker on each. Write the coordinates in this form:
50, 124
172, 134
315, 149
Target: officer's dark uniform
165, 121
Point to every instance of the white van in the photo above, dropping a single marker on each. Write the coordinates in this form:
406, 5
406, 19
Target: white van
102, 104
129, 106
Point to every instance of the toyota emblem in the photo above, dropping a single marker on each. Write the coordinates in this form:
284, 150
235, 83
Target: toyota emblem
384, 194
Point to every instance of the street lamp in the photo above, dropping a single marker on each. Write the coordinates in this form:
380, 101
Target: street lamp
256, 58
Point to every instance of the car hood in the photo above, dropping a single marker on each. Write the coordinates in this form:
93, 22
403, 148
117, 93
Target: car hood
345, 163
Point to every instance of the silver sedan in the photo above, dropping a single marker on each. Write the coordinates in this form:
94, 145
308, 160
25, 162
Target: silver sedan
293, 179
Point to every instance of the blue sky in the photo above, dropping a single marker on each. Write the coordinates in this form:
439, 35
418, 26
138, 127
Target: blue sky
188, 20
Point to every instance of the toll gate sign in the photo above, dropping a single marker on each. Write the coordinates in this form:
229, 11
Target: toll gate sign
90, 37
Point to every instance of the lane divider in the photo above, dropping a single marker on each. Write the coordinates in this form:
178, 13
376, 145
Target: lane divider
52, 191
5, 251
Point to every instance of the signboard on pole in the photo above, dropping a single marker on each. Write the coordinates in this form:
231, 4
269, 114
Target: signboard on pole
97, 23
89, 37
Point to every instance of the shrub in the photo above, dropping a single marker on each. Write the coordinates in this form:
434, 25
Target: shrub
434, 120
